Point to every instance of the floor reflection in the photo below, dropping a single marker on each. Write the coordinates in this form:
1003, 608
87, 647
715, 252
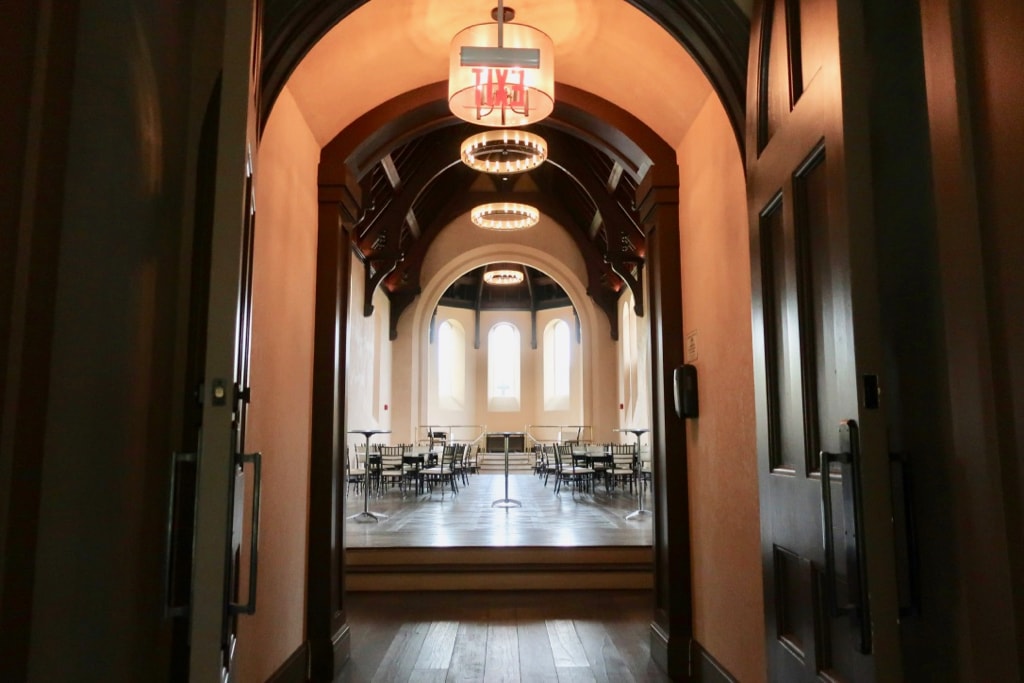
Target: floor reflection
569, 519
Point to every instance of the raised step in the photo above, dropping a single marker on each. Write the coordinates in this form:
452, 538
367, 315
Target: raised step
486, 568
494, 463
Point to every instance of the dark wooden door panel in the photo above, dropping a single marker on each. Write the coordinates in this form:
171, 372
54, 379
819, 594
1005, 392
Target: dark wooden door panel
808, 272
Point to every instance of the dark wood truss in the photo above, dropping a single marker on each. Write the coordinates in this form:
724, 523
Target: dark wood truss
403, 157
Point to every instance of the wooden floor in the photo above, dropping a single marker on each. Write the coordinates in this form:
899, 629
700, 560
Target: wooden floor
514, 636
569, 519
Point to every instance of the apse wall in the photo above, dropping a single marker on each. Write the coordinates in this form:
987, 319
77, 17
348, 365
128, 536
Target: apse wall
721, 443
474, 409
547, 247
281, 379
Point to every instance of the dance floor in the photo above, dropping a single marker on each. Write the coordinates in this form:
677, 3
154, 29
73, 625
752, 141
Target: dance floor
467, 519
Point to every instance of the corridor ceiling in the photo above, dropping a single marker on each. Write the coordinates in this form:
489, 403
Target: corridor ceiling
372, 89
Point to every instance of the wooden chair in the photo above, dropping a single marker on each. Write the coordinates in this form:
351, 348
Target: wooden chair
577, 476
444, 472
355, 469
621, 468
412, 471
472, 459
373, 472
459, 462
391, 466
599, 458
540, 461
547, 463
645, 473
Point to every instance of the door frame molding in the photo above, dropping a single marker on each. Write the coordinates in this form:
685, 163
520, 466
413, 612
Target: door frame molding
716, 34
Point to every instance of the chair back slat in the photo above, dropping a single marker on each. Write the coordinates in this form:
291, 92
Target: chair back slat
391, 456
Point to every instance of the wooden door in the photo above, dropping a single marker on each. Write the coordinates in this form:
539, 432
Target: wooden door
217, 564
829, 578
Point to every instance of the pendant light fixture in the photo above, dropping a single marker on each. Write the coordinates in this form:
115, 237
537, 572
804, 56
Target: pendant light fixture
503, 274
504, 151
501, 74
504, 216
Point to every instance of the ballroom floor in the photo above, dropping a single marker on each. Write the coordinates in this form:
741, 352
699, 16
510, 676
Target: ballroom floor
467, 519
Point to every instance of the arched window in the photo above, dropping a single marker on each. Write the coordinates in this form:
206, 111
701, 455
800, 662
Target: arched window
503, 368
451, 365
557, 358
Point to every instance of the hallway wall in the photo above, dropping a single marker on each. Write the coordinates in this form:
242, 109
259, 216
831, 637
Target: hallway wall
281, 381
998, 42
721, 444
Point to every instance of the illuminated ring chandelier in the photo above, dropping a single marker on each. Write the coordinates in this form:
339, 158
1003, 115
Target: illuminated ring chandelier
503, 274
504, 216
504, 151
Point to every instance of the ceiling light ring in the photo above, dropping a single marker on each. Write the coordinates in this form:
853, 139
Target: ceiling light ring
504, 276
504, 216
504, 151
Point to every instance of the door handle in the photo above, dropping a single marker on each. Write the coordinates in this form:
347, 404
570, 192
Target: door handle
249, 606
171, 547
857, 606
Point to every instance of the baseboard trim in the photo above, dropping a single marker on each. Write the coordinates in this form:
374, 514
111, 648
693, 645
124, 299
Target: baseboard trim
705, 668
659, 646
342, 644
684, 659
294, 668
327, 660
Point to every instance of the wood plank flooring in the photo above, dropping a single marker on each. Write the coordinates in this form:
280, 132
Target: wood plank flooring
467, 519
500, 636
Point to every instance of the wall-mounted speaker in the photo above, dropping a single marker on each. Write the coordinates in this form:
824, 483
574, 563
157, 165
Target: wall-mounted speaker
685, 385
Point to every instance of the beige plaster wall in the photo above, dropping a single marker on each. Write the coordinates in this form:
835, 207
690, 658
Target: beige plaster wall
281, 379
633, 365
714, 252
368, 376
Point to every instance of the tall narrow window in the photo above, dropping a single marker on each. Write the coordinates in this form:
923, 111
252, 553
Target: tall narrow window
557, 358
627, 345
503, 368
451, 365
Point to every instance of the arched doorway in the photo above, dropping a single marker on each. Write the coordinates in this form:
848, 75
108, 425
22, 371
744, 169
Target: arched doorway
660, 206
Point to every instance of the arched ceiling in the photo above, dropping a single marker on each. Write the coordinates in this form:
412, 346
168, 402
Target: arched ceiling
371, 88
605, 47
